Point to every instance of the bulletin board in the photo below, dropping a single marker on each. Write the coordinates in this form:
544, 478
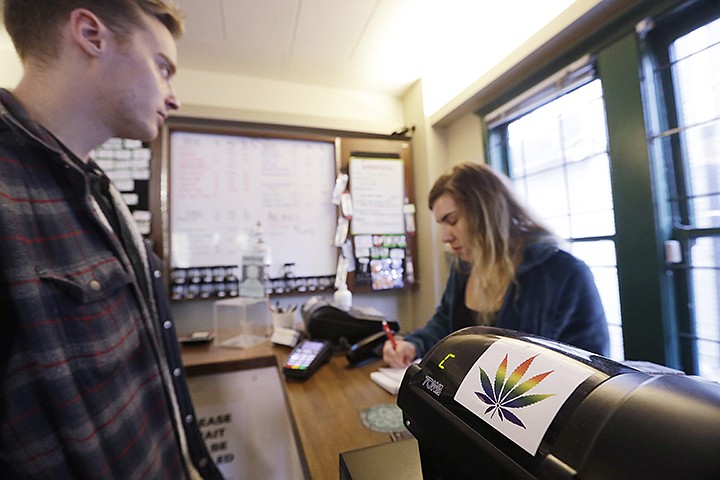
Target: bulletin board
127, 164
382, 246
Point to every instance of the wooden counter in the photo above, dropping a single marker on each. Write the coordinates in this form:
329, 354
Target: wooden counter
325, 409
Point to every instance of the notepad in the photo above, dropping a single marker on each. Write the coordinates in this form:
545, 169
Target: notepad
389, 378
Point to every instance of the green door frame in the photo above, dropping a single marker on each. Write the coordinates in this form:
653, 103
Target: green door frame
644, 292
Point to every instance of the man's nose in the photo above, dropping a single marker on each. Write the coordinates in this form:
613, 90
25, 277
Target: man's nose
173, 103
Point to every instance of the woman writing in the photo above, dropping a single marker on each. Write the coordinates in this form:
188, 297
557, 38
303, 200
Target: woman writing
509, 272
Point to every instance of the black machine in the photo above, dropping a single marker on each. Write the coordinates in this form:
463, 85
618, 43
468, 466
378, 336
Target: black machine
488, 403
368, 347
325, 321
306, 358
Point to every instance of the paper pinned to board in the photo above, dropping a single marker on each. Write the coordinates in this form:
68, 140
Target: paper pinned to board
378, 190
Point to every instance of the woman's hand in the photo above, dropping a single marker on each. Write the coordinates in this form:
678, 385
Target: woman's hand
400, 357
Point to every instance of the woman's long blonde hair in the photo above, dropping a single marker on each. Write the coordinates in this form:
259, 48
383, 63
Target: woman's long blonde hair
499, 226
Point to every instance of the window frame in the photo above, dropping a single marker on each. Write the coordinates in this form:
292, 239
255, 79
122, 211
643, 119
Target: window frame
500, 155
655, 46
649, 307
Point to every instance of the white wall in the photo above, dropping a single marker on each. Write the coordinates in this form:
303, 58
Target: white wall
464, 140
234, 97
11, 68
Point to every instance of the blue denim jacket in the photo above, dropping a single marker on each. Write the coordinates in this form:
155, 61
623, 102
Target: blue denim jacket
555, 297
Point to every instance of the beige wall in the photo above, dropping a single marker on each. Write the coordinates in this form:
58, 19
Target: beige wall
435, 150
234, 97
425, 148
11, 68
464, 140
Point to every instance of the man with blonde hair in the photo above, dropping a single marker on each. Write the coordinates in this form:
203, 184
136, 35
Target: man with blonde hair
91, 383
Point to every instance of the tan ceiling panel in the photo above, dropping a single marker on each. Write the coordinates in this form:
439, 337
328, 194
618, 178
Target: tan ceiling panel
330, 29
266, 26
203, 20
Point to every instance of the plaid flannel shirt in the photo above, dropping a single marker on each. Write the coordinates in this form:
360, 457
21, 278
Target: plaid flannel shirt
91, 383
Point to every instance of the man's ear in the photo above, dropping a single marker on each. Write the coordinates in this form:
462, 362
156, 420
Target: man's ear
88, 31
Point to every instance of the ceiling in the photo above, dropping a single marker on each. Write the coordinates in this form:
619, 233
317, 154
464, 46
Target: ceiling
374, 46
367, 45
378, 46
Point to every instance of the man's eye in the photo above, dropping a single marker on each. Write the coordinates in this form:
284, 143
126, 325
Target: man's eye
165, 71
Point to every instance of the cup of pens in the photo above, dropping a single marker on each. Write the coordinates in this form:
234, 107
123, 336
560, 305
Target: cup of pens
283, 317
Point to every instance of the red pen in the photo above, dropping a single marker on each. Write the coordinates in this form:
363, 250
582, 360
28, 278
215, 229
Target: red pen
389, 334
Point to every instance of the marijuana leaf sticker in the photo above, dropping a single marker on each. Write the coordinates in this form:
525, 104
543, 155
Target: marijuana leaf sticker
507, 392
513, 380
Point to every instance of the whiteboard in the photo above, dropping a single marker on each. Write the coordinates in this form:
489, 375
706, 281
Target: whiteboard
221, 186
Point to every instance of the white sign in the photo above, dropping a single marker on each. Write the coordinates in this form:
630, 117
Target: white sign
246, 424
518, 388
378, 188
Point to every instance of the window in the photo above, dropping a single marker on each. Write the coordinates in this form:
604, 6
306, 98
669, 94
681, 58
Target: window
625, 163
685, 134
557, 157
